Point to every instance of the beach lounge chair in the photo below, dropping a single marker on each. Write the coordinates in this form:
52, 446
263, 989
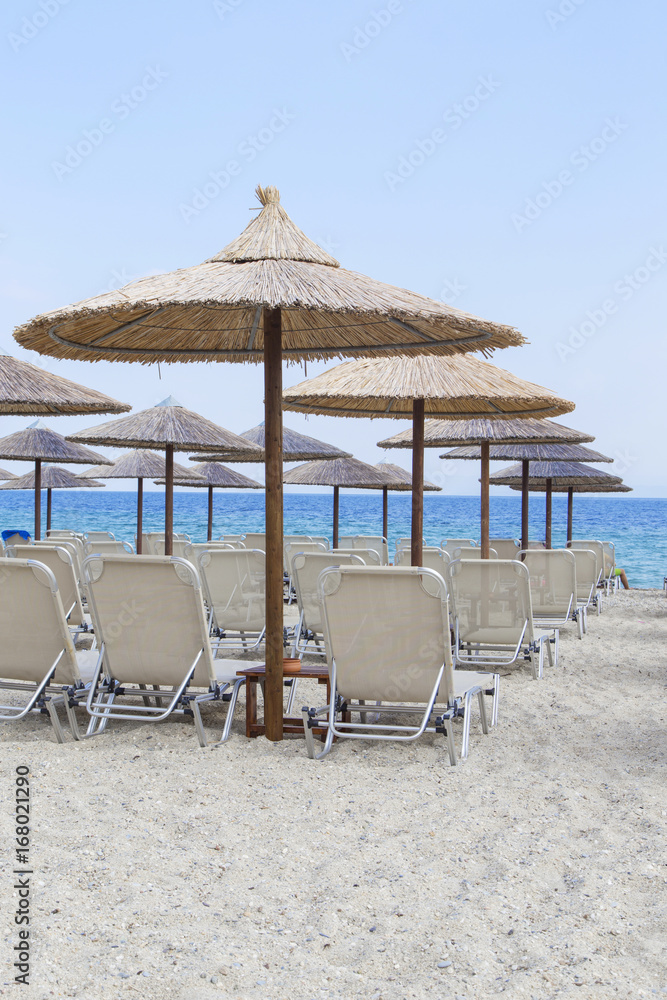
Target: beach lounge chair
236, 541
106, 547
433, 557
507, 548
290, 548
152, 543
321, 538
59, 560
388, 642
75, 548
306, 569
192, 549
406, 543
536, 545
11, 537
377, 542
255, 540
587, 582
40, 663
233, 585
451, 544
99, 536
493, 617
553, 588
472, 552
63, 533
611, 581
596, 546
369, 557
151, 626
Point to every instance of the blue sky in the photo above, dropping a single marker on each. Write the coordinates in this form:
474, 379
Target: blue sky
507, 158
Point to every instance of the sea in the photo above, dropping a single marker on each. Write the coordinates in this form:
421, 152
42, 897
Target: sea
637, 527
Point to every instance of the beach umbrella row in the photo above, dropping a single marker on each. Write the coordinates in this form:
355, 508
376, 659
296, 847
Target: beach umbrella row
212, 475
52, 478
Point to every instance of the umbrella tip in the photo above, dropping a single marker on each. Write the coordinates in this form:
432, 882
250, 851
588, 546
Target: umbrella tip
38, 425
169, 401
267, 196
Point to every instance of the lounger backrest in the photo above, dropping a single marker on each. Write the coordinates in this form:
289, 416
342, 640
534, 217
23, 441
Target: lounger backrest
106, 547
553, 581
536, 545
150, 616
377, 542
321, 538
472, 552
433, 557
75, 548
61, 533
306, 569
238, 541
99, 536
234, 582
387, 632
405, 542
16, 540
59, 561
291, 548
255, 540
507, 548
178, 546
609, 553
451, 544
32, 624
370, 557
587, 573
593, 545
491, 600
192, 549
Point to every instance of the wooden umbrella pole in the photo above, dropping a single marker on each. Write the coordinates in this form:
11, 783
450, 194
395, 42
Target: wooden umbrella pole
547, 526
570, 504
140, 513
417, 480
169, 501
273, 460
48, 511
484, 506
209, 535
525, 473
38, 500
385, 511
336, 501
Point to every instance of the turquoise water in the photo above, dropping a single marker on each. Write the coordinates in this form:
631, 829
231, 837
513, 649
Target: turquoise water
637, 527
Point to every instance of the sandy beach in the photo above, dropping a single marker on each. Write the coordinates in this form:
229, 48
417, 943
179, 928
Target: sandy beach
535, 868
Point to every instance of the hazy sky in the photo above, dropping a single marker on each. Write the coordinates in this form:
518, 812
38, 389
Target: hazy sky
508, 158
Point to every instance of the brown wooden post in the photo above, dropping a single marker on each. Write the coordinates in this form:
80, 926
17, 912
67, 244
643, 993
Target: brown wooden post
417, 480
385, 511
525, 473
209, 535
336, 502
570, 504
48, 511
547, 526
140, 513
38, 500
273, 460
169, 501
484, 505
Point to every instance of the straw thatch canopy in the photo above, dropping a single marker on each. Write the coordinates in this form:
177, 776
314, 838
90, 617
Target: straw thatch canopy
214, 310
168, 423
39, 443
53, 478
403, 482
560, 473
450, 387
450, 433
338, 472
531, 452
7, 475
296, 447
217, 475
25, 388
582, 488
139, 464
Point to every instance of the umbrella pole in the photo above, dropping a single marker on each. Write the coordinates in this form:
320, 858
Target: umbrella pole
385, 511
570, 504
547, 527
525, 473
336, 499
140, 513
273, 460
484, 506
48, 511
38, 500
417, 480
209, 534
169, 501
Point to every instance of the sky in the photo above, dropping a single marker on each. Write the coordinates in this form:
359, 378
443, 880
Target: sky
508, 159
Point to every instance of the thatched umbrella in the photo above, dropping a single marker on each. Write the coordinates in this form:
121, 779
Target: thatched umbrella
139, 464
213, 475
269, 293
403, 485
441, 387
7, 475
53, 478
296, 447
170, 426
449, 433
545, 477
38, 443
25, 388
529, 452
337, 472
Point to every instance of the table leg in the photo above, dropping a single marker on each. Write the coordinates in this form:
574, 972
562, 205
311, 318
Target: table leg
250, 705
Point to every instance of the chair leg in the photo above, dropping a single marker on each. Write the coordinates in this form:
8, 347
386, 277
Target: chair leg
291, 696
482, 713
199, 725
496, 696
451, 748
55, 721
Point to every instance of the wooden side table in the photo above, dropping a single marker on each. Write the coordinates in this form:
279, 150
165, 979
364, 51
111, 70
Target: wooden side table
255, 675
